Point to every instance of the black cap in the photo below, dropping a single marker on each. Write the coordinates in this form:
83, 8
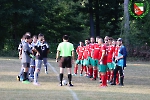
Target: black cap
119, 39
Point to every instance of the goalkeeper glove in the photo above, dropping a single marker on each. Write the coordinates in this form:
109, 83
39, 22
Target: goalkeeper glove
32, 56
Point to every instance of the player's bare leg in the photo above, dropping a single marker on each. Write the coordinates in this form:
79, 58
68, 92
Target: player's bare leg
75, 69
81, 71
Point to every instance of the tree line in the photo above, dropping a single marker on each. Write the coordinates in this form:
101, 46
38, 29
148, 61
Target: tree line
79, 19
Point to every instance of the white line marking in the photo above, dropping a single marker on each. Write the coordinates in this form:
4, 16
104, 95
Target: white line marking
72, 92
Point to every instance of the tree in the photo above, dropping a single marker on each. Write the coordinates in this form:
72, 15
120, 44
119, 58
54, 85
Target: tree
126, 22
50, 17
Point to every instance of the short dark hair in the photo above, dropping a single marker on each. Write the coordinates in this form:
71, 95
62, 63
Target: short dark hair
40, 34
65, 37
87, 39
81, 41
110, 38
27, 37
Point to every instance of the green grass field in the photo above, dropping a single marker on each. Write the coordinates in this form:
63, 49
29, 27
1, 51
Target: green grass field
137, 84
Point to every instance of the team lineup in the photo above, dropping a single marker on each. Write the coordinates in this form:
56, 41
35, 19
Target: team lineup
105, 59
100, 59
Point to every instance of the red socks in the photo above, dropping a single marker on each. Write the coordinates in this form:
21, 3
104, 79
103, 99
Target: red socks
95, 74
104, 80
111, 76
75, 69
108, 75
90, 71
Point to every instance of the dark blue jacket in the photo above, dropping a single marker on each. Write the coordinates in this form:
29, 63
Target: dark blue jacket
122, 52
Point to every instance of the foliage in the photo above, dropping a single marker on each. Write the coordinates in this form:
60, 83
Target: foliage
54, 18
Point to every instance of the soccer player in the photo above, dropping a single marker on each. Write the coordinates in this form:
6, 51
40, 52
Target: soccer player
65, 49
85, 56
32, 62
120, 62
45, 50
103, 63
26, 53
96, 58
110, 55
79, 60
115, 43
91, 48
20, 76
39, 58
107, 44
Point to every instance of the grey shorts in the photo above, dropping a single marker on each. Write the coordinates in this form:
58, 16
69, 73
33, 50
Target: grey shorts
44, 61
32, 62
26, 65
38, 64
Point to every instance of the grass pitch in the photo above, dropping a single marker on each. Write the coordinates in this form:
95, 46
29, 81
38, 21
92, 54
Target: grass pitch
137, 84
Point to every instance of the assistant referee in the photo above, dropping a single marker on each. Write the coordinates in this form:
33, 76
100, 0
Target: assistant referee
66, 52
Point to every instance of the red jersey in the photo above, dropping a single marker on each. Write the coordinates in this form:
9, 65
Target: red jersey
79, 51
104, 61
96, 51
116, 51
91, 48
86, 52
110, 52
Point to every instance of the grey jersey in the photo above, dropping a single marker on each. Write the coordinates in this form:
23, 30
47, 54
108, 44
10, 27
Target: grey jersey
20, 45
25, 55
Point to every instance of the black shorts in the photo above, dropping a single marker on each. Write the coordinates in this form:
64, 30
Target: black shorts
65, 62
